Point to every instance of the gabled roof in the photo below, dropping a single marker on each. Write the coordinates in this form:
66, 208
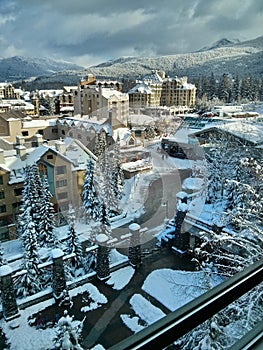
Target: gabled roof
12, 114
141, 88
250, 132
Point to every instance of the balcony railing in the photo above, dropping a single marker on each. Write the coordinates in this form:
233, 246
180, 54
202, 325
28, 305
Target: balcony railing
176, 324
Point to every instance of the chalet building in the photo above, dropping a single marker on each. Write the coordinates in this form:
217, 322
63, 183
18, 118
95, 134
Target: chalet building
156, 90
82, 129
64, 165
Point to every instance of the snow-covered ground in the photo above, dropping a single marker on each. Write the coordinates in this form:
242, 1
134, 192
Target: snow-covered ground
173, 289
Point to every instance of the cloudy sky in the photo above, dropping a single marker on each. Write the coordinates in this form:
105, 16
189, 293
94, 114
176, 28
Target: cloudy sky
89, 32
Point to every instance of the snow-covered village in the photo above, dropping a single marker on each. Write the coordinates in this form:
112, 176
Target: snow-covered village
130, 190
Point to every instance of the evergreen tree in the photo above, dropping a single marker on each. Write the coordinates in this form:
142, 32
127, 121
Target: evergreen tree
117, 173
224, 88
47, 213
107, 184
73, 242
30, 282
67, 333
236, 91
2, 259
90, 198
212, 87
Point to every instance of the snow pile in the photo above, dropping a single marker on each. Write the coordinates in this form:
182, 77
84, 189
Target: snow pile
26, 337
92, 293
175, 288
147, 314
192, 183
120, 278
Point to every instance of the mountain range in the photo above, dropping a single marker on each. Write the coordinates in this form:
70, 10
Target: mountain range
224, 56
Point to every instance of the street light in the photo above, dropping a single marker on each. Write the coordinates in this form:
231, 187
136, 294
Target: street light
165, 204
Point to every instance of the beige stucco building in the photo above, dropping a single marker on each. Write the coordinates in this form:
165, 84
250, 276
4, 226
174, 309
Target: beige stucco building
157, 90
103, 100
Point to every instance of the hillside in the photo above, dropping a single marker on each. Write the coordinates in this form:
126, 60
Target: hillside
224, 56
18, 67
243, 58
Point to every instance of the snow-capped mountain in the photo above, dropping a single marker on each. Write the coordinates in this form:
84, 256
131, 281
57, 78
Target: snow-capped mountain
243, 58
220, 43
18, 67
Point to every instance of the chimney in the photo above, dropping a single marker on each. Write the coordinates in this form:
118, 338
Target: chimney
2, 158
38, 140
21, 151
60, 147
20, 140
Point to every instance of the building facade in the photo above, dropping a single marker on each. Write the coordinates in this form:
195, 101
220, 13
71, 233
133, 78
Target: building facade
103, 100
156, 90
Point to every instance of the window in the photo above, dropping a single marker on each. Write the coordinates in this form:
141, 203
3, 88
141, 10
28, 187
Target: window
61, 170
63, 132
2, 194
3, 222
62, 195
16, 205
18, 191
61, 183
25, 133
50, 156
2, 208
54, 131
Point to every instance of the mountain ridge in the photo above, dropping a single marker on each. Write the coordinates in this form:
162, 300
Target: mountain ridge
240, 58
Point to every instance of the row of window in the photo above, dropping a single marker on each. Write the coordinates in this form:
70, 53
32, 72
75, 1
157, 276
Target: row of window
17, 192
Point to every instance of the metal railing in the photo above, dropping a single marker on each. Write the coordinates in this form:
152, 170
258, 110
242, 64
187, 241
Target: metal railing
176, 324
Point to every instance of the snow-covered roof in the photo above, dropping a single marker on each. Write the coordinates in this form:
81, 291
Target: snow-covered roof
140, 119
70, 88
108, 93
251, 132
67, 108
141, 88
19, 104
88, 123
153, 78
50, 93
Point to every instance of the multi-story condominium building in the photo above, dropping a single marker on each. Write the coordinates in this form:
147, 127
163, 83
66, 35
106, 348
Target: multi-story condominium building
178, 92
156, 90
63, 162
103, 100
7, 91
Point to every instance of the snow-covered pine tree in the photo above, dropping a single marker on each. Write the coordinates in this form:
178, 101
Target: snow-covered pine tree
73, 242
47, 213
68, 333
36, 193
90, 197
224, 88
30, 282
212, 87
107, 184
100, 143
2, 259
117, 172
